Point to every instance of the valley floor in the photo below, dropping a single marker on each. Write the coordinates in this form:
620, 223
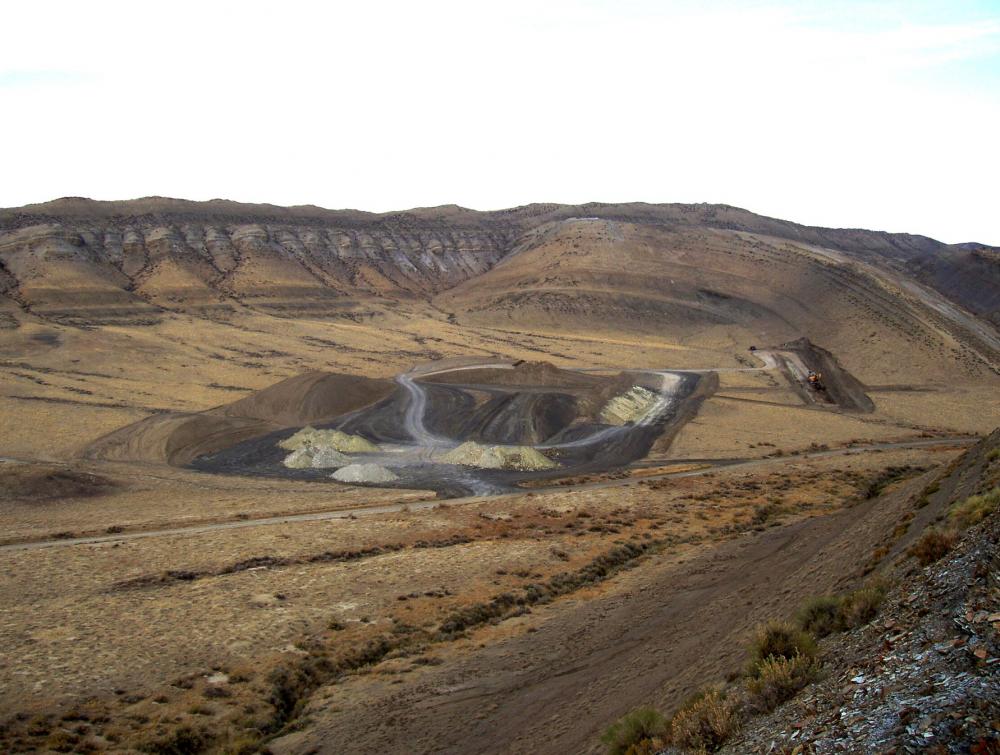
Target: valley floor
147, 605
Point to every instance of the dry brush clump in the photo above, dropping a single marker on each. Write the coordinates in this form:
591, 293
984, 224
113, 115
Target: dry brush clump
974, 509
778, 679
826, 614
706, 721
180, 741
784, 659
820, 615
636, 733
861, 606
935, 543
780, 639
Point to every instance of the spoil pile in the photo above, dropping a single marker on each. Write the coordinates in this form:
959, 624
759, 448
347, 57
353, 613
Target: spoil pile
322, 449
332, 439
315, 457
373, 473
521, 458
630, 406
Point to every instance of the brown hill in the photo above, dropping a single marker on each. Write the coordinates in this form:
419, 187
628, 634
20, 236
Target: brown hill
86, 261
726, 289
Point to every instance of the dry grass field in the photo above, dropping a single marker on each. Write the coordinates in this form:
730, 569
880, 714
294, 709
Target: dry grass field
148, 606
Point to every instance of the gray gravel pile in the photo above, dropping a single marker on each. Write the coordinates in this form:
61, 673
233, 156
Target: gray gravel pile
372, 473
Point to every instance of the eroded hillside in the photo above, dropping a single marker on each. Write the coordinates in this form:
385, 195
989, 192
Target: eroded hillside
83, 262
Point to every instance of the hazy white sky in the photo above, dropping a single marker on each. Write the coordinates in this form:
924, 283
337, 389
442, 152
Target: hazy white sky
881, 115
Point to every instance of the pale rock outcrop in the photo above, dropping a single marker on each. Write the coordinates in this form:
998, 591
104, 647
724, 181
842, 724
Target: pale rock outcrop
630, 406
315, 457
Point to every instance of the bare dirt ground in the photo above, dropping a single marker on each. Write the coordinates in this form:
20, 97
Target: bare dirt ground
193, 605
676, 622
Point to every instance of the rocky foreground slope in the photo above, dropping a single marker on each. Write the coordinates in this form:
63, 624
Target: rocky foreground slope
908, 662
925, 675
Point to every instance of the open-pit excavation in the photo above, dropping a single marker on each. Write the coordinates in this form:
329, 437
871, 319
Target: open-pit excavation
507, 425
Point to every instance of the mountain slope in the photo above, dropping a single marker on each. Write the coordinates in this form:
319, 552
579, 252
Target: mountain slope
82, 260
725, 289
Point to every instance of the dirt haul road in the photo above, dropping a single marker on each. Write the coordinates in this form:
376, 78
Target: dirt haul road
669, 627
410, 506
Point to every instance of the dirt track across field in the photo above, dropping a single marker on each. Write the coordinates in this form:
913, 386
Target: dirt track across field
346, 513
670, 627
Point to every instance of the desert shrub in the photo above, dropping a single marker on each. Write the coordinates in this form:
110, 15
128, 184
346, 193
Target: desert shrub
932, 545
780, 639
289, 684
779, 679
762, 514
39, 726
859, 607
241, 745
181, 741
62, 740
632, 730
820, 615
705, 722
887, 477
974, 509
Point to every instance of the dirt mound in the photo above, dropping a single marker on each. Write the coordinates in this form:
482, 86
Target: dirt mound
374, 473
533, 374
312, 457
334, 440
842, 388
522, 458
178, 439
42, 482
310, 397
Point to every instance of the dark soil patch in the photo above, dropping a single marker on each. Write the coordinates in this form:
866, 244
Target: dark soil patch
40, 483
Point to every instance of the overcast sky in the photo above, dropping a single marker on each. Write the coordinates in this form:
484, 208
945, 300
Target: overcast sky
880, 115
